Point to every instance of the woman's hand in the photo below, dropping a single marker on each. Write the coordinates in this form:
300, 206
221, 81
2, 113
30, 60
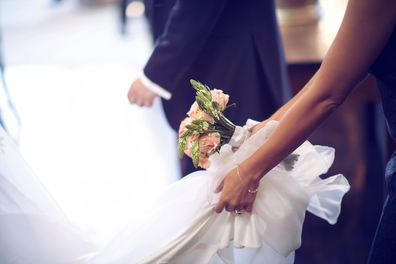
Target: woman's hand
237, 192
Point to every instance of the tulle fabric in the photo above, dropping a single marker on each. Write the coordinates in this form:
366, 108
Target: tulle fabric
180, 226
33, 229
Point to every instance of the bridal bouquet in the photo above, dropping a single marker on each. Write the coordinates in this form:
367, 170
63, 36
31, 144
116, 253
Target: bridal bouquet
205, 129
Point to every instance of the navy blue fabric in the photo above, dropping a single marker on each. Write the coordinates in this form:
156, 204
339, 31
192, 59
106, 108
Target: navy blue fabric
384, 245
225, 44
383, 250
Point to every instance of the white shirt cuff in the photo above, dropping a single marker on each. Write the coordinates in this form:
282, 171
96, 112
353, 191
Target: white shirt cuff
155, 88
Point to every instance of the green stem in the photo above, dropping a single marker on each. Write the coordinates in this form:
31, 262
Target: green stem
227, 124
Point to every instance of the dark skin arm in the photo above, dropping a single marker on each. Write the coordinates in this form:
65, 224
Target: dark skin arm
363, 33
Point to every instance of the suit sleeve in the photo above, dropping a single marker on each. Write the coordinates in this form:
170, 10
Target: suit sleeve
189, 25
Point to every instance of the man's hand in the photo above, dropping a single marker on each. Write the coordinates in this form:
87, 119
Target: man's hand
140, 94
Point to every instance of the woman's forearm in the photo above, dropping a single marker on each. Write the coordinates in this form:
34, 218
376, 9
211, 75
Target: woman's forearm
281, 111
295, 125
364, 31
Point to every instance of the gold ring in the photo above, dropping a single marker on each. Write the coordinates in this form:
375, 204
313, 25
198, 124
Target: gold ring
253, 191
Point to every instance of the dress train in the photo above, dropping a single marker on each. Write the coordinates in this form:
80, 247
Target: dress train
181, 226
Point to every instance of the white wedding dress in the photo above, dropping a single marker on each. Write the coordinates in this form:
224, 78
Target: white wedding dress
181, 226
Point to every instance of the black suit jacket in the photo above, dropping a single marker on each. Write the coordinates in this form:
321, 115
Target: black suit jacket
231, 45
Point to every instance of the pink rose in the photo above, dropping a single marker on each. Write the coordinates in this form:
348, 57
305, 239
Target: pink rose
193, 110
190, 140
204, 162
196, 113
220, 97
209, 142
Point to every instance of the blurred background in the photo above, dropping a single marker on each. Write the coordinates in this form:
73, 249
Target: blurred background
67, 66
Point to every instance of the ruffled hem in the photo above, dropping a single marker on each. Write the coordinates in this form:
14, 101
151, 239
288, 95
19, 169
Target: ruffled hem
194, 233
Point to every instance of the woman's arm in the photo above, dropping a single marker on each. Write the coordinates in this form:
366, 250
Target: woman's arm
282, 110
364, 31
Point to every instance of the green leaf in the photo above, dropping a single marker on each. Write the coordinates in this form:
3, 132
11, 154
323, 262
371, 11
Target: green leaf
199, 122
197, 85
216, 106
195, 153
203, 91
201, 125
181, 147
192, 126
194, 84
201, 104
187, 133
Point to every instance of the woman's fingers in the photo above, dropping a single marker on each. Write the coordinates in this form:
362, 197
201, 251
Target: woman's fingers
248, 208
229, 208
219, 207
235, 195
220, 187
224, 205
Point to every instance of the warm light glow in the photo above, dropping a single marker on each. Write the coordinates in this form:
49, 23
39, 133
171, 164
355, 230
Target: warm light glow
135, 9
